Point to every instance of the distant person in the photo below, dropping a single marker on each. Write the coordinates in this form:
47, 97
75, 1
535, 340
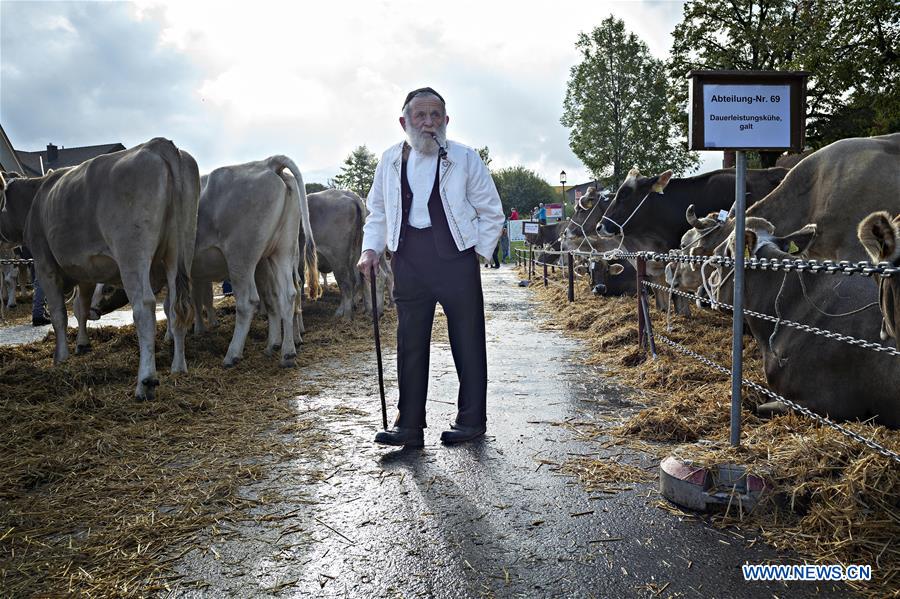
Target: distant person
542, 214
513, 214
504, 244
39, 316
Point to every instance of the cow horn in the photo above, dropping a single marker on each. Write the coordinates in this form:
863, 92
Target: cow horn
691, 217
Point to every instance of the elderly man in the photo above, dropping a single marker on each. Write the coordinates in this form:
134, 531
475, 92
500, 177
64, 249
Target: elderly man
434, 205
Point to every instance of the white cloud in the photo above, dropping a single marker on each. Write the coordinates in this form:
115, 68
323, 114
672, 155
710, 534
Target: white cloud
315, 80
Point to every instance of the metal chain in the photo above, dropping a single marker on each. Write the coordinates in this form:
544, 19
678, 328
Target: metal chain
878, 347
867, 269
17, 261
803, 410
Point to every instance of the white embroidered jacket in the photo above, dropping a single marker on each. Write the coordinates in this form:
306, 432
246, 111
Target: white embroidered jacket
470, 200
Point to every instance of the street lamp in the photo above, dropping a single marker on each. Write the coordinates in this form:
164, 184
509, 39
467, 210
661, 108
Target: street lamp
562, 180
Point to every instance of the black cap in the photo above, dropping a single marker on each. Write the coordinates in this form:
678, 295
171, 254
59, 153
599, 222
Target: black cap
422, 90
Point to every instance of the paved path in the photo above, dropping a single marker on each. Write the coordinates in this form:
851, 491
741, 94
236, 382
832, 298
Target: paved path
491, 518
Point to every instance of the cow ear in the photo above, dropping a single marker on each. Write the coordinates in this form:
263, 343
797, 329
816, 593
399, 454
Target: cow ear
616, 269
661, 181
749, 243
634, 173
880, 236
798, 241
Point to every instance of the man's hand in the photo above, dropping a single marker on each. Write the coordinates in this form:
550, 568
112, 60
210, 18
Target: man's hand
367, 261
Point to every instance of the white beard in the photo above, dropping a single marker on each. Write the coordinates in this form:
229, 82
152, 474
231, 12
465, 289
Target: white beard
423, 142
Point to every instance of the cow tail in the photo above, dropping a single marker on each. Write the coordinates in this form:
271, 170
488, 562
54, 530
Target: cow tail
189, 178
310, 259
360, 206
185, 198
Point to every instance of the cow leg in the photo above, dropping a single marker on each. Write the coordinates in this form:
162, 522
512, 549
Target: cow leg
246, 300
167, 308
56, 304
12, 284
347, 284
208, 305
143, 308
82, 309
265, 288
198, 296
287, 296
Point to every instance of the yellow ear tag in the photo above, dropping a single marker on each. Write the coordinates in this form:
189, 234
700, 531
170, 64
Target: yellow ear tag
792, 248
657, 188
747, 253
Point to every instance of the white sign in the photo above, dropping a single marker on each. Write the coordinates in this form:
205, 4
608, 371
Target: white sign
532, 228
514, 230
554, 210
746, 116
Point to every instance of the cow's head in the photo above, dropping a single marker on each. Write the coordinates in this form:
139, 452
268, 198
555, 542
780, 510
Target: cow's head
629, 199
601, 273
880, 235
583, 222
702, 239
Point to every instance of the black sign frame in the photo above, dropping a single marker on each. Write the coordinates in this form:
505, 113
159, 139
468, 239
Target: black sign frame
697, 119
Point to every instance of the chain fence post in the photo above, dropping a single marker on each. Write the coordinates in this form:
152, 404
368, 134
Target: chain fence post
545, 271
737, 329
641, 271
571, 264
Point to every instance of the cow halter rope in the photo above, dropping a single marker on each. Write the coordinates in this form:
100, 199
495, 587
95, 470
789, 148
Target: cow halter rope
378, 347
625, 222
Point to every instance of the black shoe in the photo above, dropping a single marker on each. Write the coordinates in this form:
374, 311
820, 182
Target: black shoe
39, 321
407, 437
461, 434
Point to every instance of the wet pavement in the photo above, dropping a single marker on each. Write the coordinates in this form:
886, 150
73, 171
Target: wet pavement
490, 518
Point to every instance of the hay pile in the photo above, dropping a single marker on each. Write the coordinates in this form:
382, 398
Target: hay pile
833, 499
98, 491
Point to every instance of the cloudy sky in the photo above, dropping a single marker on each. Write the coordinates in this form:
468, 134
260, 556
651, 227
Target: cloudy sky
232, 82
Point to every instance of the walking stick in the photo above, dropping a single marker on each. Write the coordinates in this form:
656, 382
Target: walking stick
378, 348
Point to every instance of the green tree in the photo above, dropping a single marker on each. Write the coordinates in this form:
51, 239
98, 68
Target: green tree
485, 154
522, 189
851, 49
358, 172
616, 107
315, 187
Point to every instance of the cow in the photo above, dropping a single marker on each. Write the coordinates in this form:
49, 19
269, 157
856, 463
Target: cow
647, 213
608, 277
337, 217
547, 237
818, 191
827, 376
11, 278
262, 258
580, 233
127, 218
880, 236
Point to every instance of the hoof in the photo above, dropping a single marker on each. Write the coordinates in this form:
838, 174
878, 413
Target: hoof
147, 391
83, 349
231, 363
771, 409
289, 361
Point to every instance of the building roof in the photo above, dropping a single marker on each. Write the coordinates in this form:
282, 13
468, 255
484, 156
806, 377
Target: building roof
63, 157
8, 159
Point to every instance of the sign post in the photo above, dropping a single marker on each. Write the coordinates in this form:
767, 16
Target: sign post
744, 110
